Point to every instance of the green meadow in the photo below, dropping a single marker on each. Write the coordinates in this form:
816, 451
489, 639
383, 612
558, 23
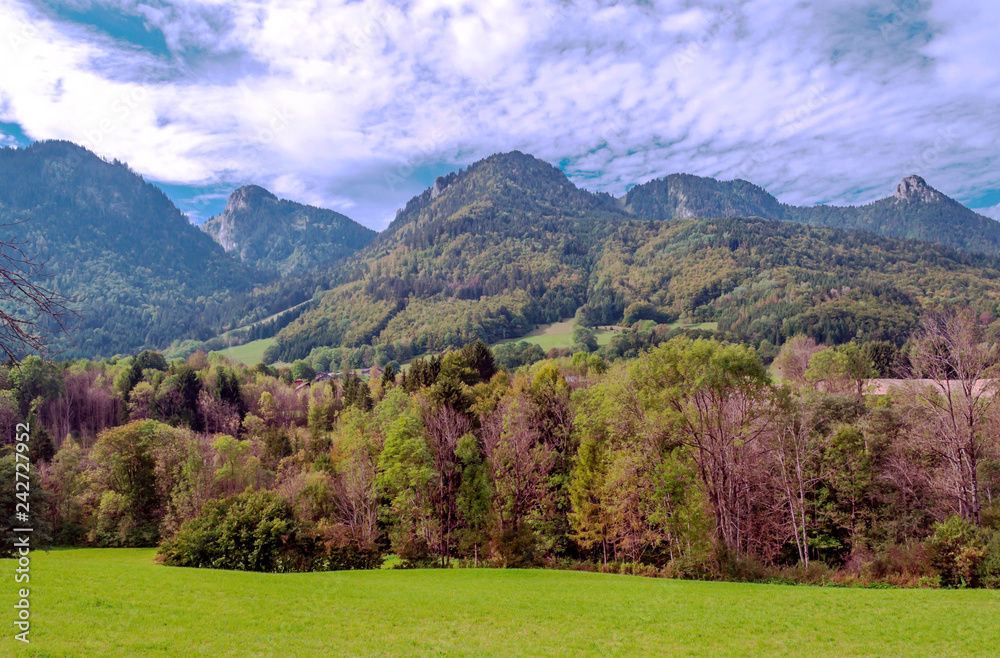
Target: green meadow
557, 334
119, 602
250, 353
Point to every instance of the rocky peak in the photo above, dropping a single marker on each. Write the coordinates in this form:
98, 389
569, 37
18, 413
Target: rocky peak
246, 196
915, 188
440, 185
241, 200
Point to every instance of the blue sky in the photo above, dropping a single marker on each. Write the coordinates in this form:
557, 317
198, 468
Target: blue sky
357, 106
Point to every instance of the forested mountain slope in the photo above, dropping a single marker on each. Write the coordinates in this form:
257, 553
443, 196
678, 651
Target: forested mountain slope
916, 210
768, 280
510, 242
282, 236
140, 273
484, 253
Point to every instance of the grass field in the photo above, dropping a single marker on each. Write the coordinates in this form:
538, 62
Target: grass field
119, 602
558, 334
250, 353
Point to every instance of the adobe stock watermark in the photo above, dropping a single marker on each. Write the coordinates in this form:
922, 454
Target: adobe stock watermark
696, 48
121, 109
429, 146
279, 116
22, 533
789, 123
920, 163
364, 37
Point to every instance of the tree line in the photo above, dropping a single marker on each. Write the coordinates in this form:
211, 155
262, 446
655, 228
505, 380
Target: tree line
692, 459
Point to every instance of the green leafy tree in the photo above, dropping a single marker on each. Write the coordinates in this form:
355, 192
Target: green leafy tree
475, 495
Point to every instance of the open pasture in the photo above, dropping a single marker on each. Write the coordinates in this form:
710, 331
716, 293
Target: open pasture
120, 602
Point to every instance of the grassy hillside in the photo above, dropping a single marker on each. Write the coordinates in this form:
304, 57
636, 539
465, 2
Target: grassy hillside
119, 602
250, 353
558, 335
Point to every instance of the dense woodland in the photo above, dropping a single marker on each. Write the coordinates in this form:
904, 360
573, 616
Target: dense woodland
690, 460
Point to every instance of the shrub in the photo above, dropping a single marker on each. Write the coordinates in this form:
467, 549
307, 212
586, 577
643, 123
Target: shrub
516, 548
252, 531
901, 565
956, 549
988, 572
329, 548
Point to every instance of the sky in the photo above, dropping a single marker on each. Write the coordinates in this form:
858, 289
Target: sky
357, 106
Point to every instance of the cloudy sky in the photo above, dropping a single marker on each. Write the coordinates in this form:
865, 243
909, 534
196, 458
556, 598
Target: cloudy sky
357, 106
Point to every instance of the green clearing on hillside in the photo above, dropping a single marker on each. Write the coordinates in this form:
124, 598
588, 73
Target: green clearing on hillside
119, 602
250, 353
557, 334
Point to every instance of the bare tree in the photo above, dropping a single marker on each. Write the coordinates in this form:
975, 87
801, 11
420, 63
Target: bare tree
445, 426
792, 361
28, 311
519, 461
954, 353
717, 400
793, 450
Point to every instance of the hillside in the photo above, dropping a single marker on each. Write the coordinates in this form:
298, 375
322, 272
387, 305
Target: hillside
484, 253
140, 273
282, 236
768, 280
511, 243
915, 210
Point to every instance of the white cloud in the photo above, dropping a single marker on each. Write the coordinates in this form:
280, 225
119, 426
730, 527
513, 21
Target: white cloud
993, 212
350, 104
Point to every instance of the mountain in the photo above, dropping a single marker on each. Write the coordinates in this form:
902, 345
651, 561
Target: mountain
141, 274
683, 196
277, 235
767, 280
487, 252
915, 211
510, 242
484, 253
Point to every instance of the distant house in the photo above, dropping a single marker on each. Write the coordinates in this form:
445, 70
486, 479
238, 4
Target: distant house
319, 377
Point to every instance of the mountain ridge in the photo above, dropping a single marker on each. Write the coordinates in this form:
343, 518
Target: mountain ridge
486, 252
141, 273
915, 210
284, 236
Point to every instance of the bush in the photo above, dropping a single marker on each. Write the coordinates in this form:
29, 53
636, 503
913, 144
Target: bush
988, 572
956, 549
253, 531
328, 548
901, 565
516, 548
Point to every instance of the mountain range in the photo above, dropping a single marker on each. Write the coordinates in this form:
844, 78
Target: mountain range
915, 210
488, 252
